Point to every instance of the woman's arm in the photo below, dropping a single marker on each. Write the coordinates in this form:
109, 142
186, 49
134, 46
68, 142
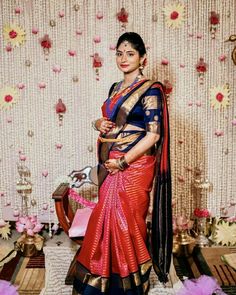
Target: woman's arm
141, 147
133, 154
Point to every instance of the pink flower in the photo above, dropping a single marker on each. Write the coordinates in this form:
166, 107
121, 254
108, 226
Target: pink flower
234, 122
112, 47
45, 173
21, 85
198, 103
78, 32
16, 212
56, 69
8, 48
30, 232
22, 157
20, 228
38, 227
45, 206
190, 103
42, 85
59, 146
164, 62
99, 15
18, 10
72, 52
96, 39
219, 132
199, 36
28, 224
35, 31
61, 13
222, 57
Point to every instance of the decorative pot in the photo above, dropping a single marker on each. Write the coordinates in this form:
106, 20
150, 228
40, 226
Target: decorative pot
183, 244
29, 246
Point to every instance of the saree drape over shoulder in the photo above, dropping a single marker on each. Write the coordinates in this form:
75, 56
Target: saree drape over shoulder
115, 258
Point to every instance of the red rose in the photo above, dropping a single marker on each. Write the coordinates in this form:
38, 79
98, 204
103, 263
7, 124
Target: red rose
201, 66
13, 34
122, 16
46, 44
214, 18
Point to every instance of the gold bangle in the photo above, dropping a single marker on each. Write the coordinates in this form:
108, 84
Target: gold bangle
122, 163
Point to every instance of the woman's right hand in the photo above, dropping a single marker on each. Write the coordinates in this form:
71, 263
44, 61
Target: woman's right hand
104, 125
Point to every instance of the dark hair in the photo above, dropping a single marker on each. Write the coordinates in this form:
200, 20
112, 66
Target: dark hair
135, 40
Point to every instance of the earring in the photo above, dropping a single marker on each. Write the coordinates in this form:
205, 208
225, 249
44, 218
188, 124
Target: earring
141, 67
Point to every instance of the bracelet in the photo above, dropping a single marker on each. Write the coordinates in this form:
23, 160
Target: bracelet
122, 163
94, 125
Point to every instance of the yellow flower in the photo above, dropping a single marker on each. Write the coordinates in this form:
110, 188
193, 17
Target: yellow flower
219, 96
174, 14
8, 97
13, 34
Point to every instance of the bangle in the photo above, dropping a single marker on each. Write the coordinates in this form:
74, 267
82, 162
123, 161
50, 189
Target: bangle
122, 163
94, 125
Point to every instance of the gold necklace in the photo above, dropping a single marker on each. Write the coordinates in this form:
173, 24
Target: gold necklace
138, 78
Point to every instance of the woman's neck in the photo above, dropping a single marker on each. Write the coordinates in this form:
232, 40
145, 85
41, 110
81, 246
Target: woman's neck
130, 77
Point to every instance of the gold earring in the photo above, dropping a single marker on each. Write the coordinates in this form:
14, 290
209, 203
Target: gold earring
141, 67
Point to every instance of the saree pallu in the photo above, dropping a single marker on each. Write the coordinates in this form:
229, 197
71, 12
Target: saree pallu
114, 258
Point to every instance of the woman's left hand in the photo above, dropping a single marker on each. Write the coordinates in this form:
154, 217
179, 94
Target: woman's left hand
112, 166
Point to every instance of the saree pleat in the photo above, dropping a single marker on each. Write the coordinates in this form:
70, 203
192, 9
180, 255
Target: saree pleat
115, 240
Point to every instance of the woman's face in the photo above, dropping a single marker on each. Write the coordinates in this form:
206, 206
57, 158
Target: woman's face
128, 59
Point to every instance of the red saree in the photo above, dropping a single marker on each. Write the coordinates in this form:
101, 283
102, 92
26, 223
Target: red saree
114, 258
115, 241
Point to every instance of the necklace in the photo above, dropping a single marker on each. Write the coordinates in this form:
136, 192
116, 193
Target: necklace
123, 86
118, 93
123, 89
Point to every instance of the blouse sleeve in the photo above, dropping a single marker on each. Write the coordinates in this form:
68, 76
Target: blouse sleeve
152, 105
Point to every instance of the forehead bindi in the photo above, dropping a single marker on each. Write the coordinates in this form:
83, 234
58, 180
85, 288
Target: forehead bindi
126, 46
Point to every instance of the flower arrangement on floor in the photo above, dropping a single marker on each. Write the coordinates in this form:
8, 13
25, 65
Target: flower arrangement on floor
30, 242
183, 243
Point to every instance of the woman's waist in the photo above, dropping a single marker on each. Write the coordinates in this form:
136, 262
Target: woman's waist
115, 154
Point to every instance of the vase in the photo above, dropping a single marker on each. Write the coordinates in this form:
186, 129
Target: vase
202, 240
29, 246
183, 244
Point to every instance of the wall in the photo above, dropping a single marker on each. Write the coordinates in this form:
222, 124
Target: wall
31, 129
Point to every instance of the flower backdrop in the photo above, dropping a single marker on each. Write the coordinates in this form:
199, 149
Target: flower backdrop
58, 62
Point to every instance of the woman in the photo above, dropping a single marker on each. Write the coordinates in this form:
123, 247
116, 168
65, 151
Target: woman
133, 150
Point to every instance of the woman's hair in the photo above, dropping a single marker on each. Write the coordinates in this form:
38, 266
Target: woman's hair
135, 40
